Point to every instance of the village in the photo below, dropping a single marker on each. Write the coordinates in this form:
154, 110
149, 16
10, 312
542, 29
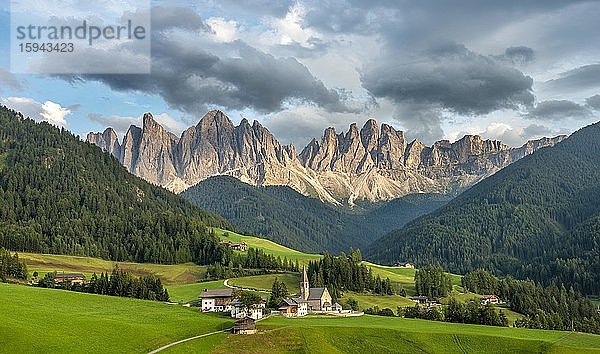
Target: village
310, 300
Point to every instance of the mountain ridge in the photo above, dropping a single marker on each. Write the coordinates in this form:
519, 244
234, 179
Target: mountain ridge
538, 218
374, 163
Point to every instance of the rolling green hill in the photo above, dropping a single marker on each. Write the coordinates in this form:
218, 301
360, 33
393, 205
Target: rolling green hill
44, 320
168, 273
370, 334
268, 246
56, 321
291, 219
538, 218
61, 195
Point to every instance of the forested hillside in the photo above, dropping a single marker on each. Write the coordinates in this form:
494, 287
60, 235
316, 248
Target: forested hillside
287, 217
537, 218
61, 195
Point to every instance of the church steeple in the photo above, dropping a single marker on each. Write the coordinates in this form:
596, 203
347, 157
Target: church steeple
304, 285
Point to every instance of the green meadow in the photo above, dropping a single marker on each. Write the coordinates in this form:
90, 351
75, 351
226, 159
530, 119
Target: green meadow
189, 292
38, 320
265, 282
44, 320
169, 274
371, 334
267, 246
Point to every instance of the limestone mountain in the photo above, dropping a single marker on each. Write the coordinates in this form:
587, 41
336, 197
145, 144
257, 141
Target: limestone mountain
373, 163
538, 218
61, 195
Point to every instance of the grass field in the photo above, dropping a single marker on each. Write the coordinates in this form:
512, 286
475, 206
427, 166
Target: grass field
45, 320
265, 282
382, 301
189, 292
169, 274
268, 247
371, 334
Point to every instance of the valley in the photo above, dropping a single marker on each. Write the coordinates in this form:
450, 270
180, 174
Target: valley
118, 325
300, 176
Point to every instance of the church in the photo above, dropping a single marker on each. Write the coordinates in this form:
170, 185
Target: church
318, 299
310, 299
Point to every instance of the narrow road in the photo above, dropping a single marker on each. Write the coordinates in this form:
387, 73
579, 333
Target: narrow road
196, 337
187, 339
226, 283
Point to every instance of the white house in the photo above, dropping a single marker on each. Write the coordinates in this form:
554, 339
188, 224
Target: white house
218, 300
238, 310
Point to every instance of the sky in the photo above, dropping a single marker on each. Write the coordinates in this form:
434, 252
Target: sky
511, 70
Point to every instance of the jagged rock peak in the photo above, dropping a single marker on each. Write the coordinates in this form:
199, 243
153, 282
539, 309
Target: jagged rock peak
107, 141
374, 163
149, 124
215, 118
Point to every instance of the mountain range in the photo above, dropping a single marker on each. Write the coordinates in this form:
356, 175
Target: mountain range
538, 218
373, 163
61, 195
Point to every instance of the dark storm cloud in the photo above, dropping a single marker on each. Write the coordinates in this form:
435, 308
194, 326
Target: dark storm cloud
406, 19
176, 17
520, 55
258, 8
422, 121
193, 72
535, 130
557, 110
593, 102
7, 79
583, 77
453, 77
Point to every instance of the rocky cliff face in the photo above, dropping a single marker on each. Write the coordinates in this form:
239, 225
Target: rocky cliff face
371, 163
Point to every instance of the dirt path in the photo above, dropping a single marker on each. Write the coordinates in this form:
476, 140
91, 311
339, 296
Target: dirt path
197, 337
186, 340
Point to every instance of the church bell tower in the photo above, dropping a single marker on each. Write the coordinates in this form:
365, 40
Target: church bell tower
304, 285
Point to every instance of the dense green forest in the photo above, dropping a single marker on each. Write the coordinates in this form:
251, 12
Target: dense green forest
550, 307
118, 283
458, 312
289, 218
538, 218
433, 282
61, 195
11, 266
346, 273
242, 264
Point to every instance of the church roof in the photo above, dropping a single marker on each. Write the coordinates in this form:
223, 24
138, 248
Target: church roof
316, 293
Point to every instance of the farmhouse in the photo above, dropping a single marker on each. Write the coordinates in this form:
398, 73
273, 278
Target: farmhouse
75, 278
489, 299
245, 325
238, 246
405, 265
238, 310
420, 299
218, 300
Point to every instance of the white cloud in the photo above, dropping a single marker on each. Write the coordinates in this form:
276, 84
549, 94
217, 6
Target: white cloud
223, 31
48, 111
170, 123
290, 30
